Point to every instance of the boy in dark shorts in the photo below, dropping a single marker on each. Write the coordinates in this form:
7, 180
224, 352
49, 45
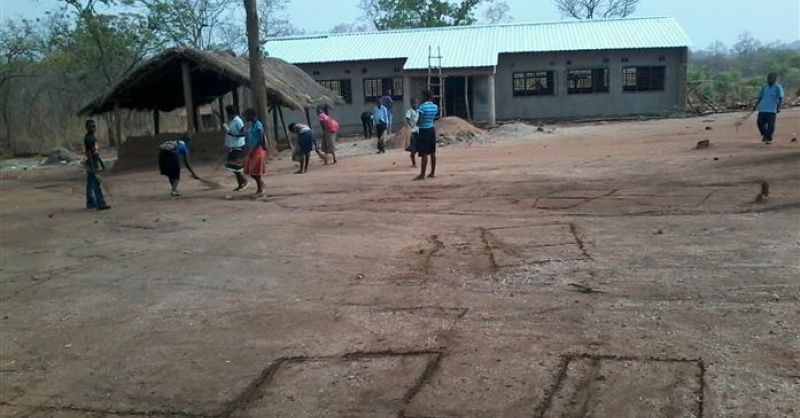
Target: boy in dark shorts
305, 144
426, 141
94, 193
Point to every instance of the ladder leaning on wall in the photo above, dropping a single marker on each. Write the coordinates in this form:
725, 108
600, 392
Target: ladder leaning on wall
435, 79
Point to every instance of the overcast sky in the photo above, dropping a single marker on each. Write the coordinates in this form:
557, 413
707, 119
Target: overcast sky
704, 20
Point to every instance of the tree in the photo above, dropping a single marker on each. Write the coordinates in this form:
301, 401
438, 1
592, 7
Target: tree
191, 23
352, 27
20, 46
399, 14
597, 9
257, 85
112, 43
498, 12
746, 45
273, 20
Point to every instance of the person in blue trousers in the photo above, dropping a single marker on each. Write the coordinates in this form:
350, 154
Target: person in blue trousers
94, 193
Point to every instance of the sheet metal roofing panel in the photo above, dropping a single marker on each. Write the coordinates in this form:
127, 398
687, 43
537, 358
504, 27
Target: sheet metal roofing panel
479, 46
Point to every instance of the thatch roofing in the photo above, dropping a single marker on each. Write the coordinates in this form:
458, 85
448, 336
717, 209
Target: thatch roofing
157, 83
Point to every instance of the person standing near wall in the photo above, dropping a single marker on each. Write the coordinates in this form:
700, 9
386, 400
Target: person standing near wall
388, 103
94, 193
235, 144
426, 143
770, 98
366, 124
256, 165
381, 118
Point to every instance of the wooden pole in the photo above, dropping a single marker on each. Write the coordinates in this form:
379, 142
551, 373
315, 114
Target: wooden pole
257, 85
221, 105
235, 94
466, 97
285, 129
188, 101
117, 125
156, 122
275, 122
492, 102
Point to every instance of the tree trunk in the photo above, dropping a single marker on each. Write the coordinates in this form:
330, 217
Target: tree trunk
257, 86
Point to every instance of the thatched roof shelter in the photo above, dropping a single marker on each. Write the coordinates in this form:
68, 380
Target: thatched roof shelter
157, 84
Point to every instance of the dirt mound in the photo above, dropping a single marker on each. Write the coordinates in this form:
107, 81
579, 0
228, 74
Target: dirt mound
519, 130
454, 126
142, 151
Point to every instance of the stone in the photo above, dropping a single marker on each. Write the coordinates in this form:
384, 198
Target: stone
703, 144
60, 155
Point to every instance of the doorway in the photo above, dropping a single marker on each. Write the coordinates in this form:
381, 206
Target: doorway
458, 96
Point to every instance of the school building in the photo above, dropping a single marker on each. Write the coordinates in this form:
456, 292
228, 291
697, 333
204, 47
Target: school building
562, 70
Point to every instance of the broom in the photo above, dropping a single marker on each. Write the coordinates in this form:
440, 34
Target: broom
209, 183
738, 124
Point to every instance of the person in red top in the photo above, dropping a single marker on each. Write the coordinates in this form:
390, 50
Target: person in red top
329, 129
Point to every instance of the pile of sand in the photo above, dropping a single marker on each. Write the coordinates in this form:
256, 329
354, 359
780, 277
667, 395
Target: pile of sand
519, 130
454, 126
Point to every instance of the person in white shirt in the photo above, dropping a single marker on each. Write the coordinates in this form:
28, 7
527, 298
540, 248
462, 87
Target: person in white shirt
234, 141
412, 118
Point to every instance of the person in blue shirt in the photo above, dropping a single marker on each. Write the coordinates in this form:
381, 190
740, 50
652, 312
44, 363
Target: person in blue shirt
169, 165
426, 140
770, 98
256, 165
388, 103
380, 116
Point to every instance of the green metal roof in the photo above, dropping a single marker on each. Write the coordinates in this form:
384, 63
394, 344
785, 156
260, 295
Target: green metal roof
479, 46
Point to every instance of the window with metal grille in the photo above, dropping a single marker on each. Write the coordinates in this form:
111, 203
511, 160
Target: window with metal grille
643, 78
374, 88
587, 81
533, 83
341, 88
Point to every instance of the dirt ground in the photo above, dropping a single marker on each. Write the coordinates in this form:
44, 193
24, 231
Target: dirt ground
605, 270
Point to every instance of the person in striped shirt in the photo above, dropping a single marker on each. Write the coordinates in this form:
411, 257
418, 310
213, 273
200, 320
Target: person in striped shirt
426, 141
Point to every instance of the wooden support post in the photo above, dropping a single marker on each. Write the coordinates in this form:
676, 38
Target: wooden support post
492, 107
308, 119
285, 129
117, 125
466, 97
275, 123
235, 94
221, 105
156, 122
198, 120
188, 101
406, 93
